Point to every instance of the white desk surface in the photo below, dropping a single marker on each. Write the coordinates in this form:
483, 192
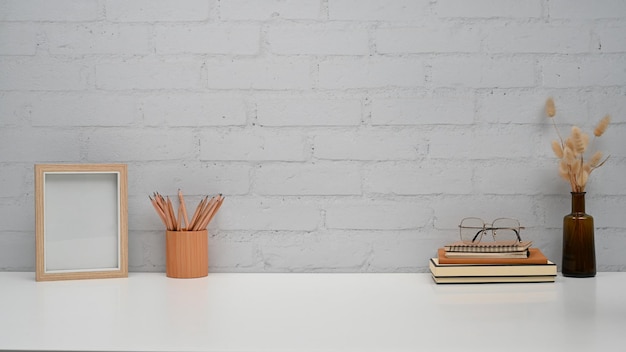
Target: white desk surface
311, 312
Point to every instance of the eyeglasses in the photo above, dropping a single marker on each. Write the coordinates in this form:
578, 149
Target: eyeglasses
501, 229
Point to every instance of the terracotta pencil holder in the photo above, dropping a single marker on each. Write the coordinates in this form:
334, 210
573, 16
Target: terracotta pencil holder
186, 254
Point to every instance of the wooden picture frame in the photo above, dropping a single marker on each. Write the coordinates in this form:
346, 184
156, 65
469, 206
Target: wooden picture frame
81, 221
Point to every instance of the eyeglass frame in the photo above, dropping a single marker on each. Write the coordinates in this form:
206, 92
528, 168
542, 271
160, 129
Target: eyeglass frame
484, 229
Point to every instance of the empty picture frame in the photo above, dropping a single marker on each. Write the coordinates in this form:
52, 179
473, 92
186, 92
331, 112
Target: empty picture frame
81, 224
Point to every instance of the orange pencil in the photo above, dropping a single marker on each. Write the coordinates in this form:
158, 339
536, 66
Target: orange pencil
217, 207
204, 214
211, 212
195, 215
182, 206
214, 211
200, 210
180, 221
158, 210
159, 200
170, 209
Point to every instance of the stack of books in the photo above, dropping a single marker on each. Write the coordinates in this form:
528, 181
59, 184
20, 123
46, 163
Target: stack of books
491, 262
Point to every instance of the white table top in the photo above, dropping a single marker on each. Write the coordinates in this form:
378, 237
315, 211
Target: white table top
310, 312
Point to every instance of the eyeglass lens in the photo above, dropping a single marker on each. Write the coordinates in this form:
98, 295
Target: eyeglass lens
505, 229
472, 230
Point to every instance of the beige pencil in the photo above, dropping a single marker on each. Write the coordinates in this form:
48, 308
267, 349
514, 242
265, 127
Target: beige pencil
184, 209
158, 210
160, 201
195, 215
217, 207
180, 220
211, 212
205, 214
170, 209
201, 213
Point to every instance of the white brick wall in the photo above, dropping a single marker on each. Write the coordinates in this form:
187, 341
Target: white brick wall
483, 72
585, 71
611, 39
98, 38
18, 39
27, 145
436, 109
325, 179
346, 135
318, 40
490, 8
157, 10
261, 74
193, 109
309, 111
581, 9
84, 109
207, 39
375, 214
411, 178
370, 73
261, 10
537, 38
48, 74
441, 37
43, 10
378, 10
250, 145
149, 75
369, 145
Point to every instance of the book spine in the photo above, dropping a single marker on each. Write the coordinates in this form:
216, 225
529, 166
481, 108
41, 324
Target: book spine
491, 270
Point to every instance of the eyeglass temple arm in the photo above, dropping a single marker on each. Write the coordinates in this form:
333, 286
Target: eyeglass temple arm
478, 233
517, 234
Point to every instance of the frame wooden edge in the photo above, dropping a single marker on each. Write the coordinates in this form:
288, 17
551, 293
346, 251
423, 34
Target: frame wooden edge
39, 205
40, 170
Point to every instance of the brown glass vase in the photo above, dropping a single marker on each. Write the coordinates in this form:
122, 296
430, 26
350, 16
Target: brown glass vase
579, 253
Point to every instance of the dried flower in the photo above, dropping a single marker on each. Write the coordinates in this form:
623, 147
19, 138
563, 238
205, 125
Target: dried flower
601, 126
571, 151
582, 180
550, 108
578, 140
569, 142
595, 159
576, 166
564, 170
558, 150
569, 156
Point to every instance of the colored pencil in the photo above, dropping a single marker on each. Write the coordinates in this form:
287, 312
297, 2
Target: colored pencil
174, 221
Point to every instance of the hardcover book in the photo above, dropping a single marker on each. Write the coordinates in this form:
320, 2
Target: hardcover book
518, 255
492, 279
445, 270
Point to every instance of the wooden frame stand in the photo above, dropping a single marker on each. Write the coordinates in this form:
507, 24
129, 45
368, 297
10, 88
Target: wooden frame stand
81, 221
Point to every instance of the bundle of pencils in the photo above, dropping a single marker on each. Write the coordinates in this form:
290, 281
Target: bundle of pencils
205, 211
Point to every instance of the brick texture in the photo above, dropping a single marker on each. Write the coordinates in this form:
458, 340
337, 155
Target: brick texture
346, 135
